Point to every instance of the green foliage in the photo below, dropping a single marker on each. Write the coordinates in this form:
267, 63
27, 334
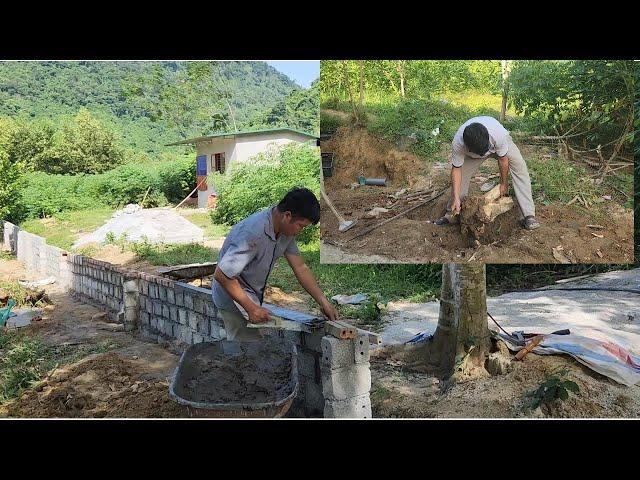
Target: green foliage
329, 123
369, 313
416, 283
554, 179
63, 228
45, 195
17, 292
554, 387
80, 145
299, 110
21, 364
596, 93
173, 254
252, 186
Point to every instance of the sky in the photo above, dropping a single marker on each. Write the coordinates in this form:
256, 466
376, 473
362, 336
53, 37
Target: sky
303, 72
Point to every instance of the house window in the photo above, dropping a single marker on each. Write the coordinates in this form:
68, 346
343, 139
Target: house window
217, 162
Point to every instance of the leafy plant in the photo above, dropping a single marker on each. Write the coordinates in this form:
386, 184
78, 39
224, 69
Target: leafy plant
554, 387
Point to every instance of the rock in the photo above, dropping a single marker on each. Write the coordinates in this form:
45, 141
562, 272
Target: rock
100, 317
497, 364
376, 211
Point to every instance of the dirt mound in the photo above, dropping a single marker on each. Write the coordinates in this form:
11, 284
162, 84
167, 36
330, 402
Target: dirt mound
357, 152
105, 385
399, 392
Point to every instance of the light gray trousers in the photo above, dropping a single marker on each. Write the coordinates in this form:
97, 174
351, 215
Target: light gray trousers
235, 325
519, 177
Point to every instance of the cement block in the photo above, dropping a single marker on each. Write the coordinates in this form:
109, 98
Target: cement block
337, 353
295, 337
313, 398
197, 338
355, 407
183, 316
346, 382
173, 313
198, 304
153, 290
130, 286
162, 293
130, 301
179, 299
192, 320
157, 308
188, 301
312, 341
171, 296
307, 363
144, 318
361, 348
209, 308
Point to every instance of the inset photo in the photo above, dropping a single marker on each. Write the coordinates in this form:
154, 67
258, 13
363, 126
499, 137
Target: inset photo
489, 161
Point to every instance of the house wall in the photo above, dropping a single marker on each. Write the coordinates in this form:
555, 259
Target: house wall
240, 149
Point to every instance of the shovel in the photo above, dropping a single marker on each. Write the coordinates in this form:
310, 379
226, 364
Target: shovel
344, 224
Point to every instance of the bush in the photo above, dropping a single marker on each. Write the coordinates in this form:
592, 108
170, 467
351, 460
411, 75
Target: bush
46, 194
329, 123
249, 187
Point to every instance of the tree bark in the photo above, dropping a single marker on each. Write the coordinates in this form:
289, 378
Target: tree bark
461, 342
505, 88
345, 72
401, 73
361, 64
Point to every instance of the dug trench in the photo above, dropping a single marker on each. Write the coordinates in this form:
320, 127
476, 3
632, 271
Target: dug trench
414, 238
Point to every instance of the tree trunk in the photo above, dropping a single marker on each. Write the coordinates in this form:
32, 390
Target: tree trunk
345, 73
461, 342
505, 88
360, 105
401, 72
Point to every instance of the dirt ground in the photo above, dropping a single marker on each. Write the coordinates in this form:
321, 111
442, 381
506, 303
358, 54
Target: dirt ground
130, 380
399, 392
415, 239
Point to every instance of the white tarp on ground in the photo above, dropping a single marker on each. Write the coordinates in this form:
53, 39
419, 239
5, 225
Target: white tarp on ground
157, 225
605, 357
600, 317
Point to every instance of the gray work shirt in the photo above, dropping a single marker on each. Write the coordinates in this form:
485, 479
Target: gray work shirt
248, 254
498, 140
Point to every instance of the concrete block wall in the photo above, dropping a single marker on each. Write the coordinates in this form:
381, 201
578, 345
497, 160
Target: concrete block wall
176, 310
334, 376
99, 283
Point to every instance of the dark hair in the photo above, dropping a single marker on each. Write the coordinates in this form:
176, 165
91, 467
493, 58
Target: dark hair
302, 203
476, 138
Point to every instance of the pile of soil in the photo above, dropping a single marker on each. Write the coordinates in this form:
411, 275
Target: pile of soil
414, 238
104, 385
399, 392
357, 152
230, 372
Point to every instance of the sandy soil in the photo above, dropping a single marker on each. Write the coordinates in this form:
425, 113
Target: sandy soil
415, 239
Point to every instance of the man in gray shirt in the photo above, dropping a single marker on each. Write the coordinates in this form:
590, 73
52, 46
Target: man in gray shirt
476, 140
247, 258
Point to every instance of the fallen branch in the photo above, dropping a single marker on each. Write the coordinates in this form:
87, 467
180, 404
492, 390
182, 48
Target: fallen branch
369, 230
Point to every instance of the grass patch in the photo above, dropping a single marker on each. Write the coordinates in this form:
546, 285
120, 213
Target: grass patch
168, 255
25, 360
554, 179
211, 230
18, 293
63, 228
6, 255
413, 283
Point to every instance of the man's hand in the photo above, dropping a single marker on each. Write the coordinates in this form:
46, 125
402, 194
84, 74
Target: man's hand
329, 310
455, 206
504, 189
258, 315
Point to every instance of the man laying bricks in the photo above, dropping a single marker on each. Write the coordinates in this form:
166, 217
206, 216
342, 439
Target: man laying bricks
247, 258
476, 140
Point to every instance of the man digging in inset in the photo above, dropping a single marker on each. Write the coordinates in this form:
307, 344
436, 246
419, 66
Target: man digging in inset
248, 255
476, 140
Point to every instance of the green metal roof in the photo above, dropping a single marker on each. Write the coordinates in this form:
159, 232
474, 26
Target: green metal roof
239, 134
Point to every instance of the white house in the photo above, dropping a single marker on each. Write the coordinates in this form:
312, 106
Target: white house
215, 153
